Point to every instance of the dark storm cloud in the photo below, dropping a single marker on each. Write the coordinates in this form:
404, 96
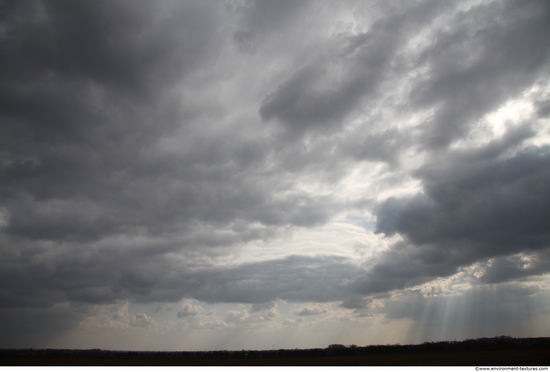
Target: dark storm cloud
502, 269
35, 278
319, 96
488, 55
506, 268
110, 43
260, 18
262, 306
295, 278
298, 105
129, 173
82, 84
355, 303
500, 205
475, 205
87, 96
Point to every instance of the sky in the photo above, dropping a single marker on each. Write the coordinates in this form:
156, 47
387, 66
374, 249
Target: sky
208, 175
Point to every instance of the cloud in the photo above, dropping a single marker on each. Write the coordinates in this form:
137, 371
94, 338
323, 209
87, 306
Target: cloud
309, 311
543, 109
80, 112
263, 306
293, 322
141, 320
235, 317
522, 265
295, 278
259, 19
189, 311
320, 95
154, 152
243, 318
355, 303
98, 278
473, 207
476, 65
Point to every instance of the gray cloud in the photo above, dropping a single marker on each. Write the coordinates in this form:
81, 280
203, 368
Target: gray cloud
259, 19
141, 320
295, 278
262, 306
385, 146
502, 269
543, 109
479, 63
474, 207
144, 144
318, 96
103, 275
488, 202
189, 311
309, 311
74, 123
355, 302
81, 161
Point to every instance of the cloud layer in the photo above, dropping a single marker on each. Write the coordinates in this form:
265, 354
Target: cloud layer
182, 151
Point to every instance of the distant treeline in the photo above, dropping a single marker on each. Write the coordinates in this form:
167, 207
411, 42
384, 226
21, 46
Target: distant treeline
501, 342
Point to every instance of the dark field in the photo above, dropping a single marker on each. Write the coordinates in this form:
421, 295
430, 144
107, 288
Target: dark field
517, 357
536, 357
480, 352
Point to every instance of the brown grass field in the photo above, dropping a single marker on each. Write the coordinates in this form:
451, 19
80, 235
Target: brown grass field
488, 357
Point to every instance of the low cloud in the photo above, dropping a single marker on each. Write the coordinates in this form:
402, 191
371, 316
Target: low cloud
305, 311
263, 306
141, 320
189, 311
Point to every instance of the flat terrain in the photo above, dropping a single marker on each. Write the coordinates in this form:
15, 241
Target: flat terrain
488, 357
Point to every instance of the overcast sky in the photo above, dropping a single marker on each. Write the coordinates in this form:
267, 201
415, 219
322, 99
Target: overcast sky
254, 174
